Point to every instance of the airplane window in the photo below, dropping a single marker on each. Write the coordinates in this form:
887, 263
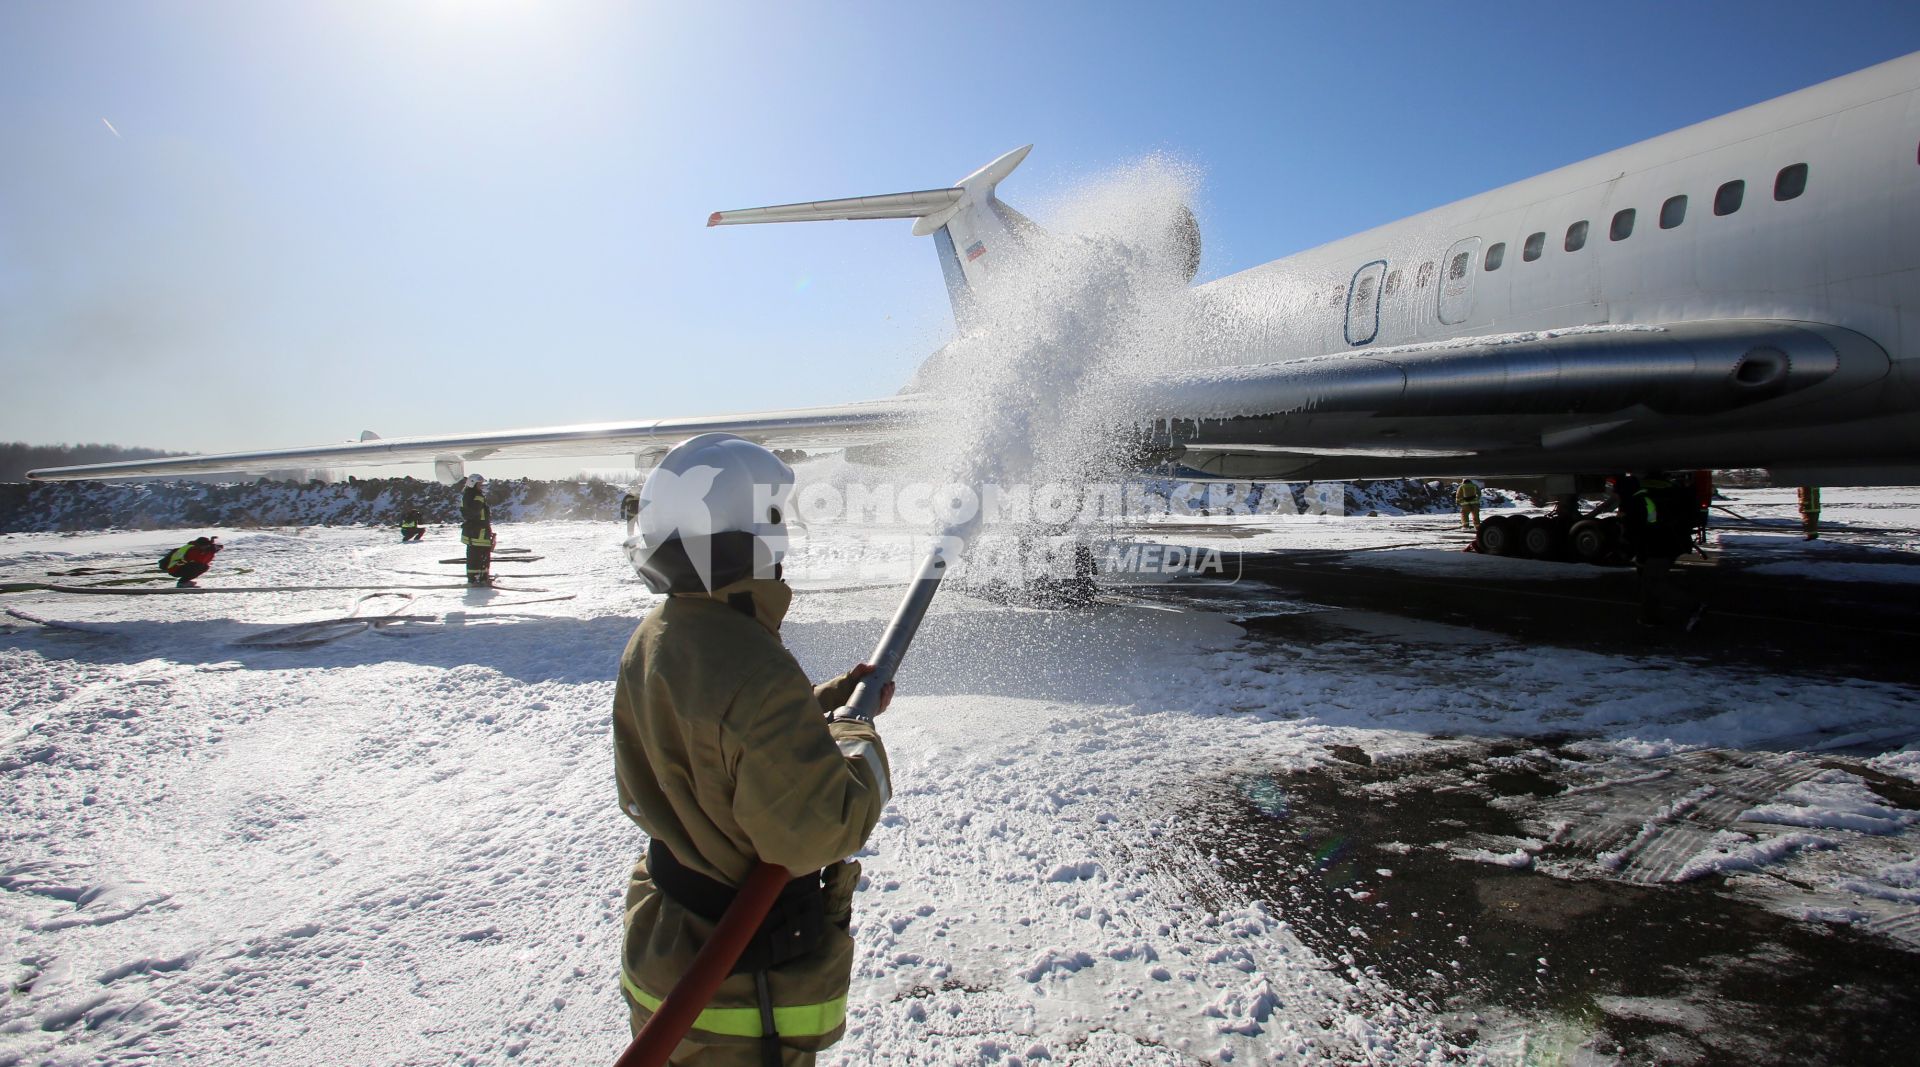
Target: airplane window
1673, 212
1622, 225
1577, 236
1535, 242
1426, 275
1790, 182
1457, 269
1393, 283
1727, 200
1496, 254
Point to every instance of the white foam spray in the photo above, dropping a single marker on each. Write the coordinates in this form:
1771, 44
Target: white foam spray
1040, 386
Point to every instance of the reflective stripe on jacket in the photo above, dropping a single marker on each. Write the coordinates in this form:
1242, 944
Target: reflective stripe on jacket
795, 1020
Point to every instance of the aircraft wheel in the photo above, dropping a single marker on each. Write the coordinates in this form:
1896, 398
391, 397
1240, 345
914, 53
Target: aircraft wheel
1592, 540
1544, 538
1497, 537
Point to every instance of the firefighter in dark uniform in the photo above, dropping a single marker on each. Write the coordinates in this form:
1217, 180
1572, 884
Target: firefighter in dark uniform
630, 510
1657, 521
410, 528
476, 531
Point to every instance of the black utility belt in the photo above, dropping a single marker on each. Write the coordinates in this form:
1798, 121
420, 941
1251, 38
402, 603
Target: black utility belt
794, 926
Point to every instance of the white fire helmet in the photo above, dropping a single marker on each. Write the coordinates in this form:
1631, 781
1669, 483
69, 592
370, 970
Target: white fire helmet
723, 499
476, 479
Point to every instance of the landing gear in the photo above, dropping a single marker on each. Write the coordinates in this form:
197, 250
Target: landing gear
1498, 536
1550, 537
1594, 540
1545, 537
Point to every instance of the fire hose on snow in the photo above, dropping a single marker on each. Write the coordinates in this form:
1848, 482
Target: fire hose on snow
751, 902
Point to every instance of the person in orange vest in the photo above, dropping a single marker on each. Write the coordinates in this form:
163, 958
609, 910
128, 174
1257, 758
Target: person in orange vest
1702, 496
1810, 511
191, 560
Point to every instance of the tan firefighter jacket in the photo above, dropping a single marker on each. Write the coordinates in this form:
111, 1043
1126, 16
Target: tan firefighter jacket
723, 753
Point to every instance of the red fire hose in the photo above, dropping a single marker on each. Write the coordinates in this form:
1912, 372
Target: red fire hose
743, 917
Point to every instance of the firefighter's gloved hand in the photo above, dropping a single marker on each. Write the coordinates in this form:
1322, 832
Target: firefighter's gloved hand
861, 671
833, 695
841, 880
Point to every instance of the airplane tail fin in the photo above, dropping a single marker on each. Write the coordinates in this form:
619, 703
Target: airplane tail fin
971, 229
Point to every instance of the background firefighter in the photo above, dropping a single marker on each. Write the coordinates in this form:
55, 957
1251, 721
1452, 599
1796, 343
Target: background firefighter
191, 560
1657, 521
410, 528
476, 531
727, 757
1467, 498
1810, 511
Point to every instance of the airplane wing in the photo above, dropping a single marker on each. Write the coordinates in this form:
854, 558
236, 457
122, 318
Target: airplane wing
823, 428
1509, 404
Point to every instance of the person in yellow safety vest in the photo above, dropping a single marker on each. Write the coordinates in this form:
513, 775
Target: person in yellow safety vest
191, 560
727, 757
476, 531
1810, 511
410, 528
1468, 498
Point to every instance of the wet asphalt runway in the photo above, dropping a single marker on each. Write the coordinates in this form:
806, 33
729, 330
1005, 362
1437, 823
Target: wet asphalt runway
1594, 966
1783, 623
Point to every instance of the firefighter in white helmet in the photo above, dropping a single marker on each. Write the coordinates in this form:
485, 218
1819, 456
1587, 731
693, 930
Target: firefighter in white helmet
726, 756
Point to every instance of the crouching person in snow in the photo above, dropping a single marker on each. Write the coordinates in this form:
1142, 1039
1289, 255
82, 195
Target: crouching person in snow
191, 560
727, 757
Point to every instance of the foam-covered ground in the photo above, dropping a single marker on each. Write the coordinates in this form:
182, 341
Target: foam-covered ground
229, 841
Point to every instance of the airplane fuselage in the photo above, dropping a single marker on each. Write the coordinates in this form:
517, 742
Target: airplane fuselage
1805, 208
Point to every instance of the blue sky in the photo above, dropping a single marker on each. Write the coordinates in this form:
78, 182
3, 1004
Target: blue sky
308, 219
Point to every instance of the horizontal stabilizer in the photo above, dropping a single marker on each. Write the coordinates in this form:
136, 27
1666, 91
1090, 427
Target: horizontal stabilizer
972, 230
886, 206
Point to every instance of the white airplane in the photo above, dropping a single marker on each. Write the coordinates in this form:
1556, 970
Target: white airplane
1744, 292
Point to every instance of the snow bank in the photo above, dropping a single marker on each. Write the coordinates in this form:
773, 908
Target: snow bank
44, 507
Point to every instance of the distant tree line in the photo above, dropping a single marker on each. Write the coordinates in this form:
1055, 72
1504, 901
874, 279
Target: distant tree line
18, 457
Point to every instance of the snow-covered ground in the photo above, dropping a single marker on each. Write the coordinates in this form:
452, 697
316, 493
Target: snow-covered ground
230, 837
